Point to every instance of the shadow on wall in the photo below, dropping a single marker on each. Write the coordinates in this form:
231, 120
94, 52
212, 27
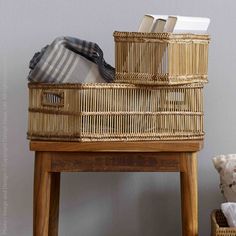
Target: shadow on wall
160, 212
128, 204
210, 198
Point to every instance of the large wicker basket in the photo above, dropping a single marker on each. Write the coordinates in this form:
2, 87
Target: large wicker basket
219, 225
160, 58
110, 112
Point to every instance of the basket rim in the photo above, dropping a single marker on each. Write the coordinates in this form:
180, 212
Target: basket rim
167, 36
32, 85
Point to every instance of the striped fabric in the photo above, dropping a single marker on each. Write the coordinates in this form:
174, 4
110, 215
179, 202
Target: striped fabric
70, 60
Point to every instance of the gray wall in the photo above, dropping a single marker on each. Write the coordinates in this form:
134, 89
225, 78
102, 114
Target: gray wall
108, 204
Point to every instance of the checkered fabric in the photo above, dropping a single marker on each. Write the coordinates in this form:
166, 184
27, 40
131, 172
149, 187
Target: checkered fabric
70, 60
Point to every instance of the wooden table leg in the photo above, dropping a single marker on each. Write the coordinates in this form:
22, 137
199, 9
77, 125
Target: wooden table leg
54, 205
189, 194
46, 197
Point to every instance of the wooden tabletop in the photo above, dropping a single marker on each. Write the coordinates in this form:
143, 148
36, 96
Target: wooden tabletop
145, 146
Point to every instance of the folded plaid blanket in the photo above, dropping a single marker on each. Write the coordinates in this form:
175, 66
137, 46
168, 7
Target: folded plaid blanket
70, 60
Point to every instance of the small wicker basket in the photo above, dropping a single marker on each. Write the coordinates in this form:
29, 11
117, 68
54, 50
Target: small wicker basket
160, 58
113, 112
219, 225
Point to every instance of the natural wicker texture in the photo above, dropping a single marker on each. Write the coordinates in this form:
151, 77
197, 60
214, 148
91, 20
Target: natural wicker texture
219, 226
160, 58
106, 112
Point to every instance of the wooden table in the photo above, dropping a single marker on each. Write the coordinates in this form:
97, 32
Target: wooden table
52, 158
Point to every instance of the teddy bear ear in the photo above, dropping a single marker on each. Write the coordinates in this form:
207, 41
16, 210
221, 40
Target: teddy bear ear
219, 162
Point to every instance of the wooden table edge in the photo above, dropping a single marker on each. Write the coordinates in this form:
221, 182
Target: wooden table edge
145, 146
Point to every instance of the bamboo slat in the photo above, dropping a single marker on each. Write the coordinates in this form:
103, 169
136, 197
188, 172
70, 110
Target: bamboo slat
115, 112
161, 58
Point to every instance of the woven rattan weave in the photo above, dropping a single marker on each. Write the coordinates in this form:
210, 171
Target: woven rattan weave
219, 226
160, 58
106, 112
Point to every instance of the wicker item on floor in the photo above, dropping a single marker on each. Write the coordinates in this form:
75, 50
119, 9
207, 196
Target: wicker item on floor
219, 225
160, 58
112, 112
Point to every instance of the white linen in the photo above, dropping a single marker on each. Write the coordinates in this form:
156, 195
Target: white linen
229, 210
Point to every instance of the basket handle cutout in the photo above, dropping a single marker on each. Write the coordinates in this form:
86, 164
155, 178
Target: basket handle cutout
52, 98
